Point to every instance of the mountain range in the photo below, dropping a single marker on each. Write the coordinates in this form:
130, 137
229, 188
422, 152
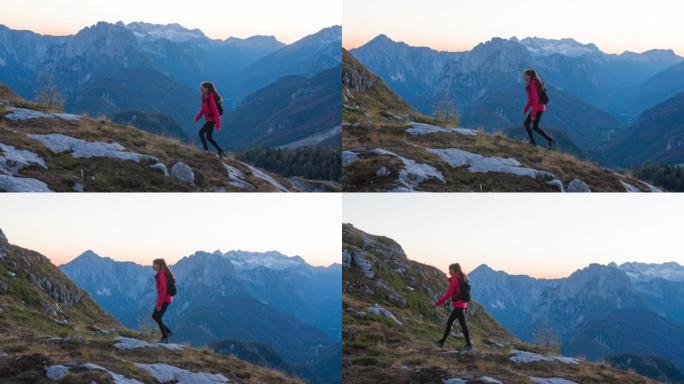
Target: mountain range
109, 68
597, 312
595, 97
268, 300
53, 331
389, 146
390, 321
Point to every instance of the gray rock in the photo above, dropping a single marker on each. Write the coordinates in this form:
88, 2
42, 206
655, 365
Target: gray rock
348, 157
551, 380
629, 187
523, 357
130, 343
424, 129
360, 314
577, 185
490, 380
264, 176
56, 372
3, 238
413, 173
557, 183
346, 259
12, 160
360, 261
378, 310
382, 171
19, 184
236, 178
27, 114
161, 168
183, 173
79, 148
168, 373
117, 378
476, 163
78, 187
454, 381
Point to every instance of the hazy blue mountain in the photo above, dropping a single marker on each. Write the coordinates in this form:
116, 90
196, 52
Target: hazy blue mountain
592, 93
157, 123
597, 312
267, 298
660, 87
292, 109
109, 68
650, 366
656, 137
305, 57
409, 71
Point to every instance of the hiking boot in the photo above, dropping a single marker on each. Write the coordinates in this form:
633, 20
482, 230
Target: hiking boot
164, 340
532, 143
221, 153
439, 343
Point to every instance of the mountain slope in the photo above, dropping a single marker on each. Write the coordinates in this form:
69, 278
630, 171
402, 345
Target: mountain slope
390, 322
388, 147
52, 331
306, 57
265, 298
63, 152
157, 123
662, 86
657, 137
291, 109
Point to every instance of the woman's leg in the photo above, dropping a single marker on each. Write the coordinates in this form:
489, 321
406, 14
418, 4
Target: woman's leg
157, 316
528, 128
449, 323
539, 130
460, 314
203, 132
210, 137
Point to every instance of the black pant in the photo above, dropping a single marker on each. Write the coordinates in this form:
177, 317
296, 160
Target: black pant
457, 313
535, 125
208, 130
157, 316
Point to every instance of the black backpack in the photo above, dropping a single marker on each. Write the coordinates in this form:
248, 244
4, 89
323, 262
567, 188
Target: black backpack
464, 291
219, 106
543, 96
170, 285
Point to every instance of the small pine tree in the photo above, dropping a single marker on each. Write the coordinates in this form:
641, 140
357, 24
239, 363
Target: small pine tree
49, 96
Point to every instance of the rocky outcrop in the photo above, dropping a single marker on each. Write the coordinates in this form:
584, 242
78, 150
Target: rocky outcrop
577, 185
22, 184
183, 173
27, 114
79, 148
413, 173
476, 163
380, 311
168, 373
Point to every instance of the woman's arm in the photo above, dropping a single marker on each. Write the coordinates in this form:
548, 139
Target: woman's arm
200, 113
161, 290
453, 288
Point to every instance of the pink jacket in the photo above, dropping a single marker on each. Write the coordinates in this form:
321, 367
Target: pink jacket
209, 110
162, 297
453, 290
533, 99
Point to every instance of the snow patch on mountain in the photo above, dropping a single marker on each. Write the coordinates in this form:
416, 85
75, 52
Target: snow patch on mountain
173, 32
566, 47
244, 260
645, 272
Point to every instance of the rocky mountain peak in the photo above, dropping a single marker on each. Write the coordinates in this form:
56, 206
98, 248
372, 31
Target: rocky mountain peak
3, 238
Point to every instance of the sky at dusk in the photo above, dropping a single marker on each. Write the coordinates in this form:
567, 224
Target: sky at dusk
541, 235
458, 25
287, 20
142, 227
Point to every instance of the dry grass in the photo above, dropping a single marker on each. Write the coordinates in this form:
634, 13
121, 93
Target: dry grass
359, 176
101, 174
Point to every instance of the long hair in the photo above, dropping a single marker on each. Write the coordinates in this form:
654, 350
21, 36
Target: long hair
212, 90
456, 267
534, 76
161, 263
